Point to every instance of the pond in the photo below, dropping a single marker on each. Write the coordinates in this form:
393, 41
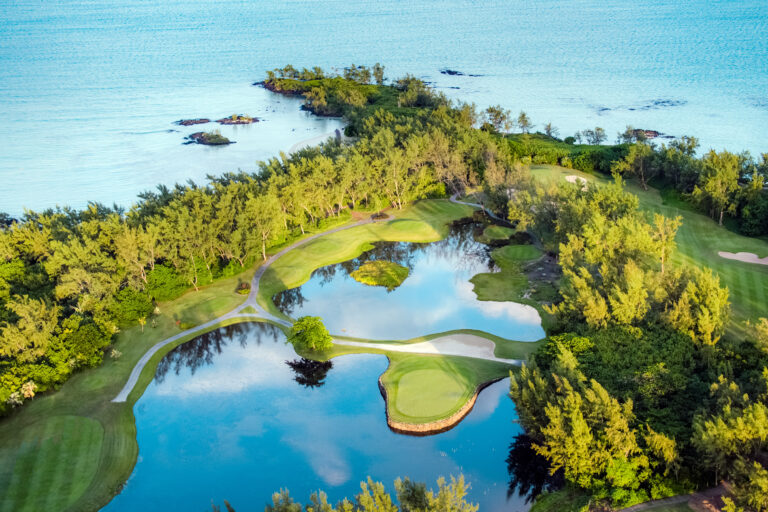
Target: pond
236, 415
436, 297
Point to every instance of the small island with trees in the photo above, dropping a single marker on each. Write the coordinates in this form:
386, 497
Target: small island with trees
388, 274
212, 138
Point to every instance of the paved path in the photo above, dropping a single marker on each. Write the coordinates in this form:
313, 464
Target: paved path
261, 313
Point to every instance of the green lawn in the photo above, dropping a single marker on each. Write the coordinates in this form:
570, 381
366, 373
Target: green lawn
698, 241
508, 255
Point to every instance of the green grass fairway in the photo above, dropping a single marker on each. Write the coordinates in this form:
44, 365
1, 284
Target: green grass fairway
69, 446
425, 388
425, 221
698, 241
381, 273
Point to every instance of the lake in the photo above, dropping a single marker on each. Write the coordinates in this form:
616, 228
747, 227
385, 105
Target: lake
89, 89
436, 296
226, 417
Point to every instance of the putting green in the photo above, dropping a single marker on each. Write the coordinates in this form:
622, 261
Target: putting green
428, 393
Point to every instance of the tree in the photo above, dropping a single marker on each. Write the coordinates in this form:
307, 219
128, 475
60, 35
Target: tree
665, 230
594, 137
498, 117
524, 122
718, 183
262, 217
636, 162
378, 74
27, 339
551, 130
309, 333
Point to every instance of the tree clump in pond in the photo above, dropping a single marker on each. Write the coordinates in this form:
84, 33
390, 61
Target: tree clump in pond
309, 334
214, 138
381, 273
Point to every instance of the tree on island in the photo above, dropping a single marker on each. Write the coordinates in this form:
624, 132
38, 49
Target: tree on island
309, 333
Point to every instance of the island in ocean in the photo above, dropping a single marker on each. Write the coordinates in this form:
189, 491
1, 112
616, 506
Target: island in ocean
589, 274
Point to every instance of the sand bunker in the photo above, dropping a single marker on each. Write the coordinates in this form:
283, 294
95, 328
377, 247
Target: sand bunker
746, 257
577, 179
467, 345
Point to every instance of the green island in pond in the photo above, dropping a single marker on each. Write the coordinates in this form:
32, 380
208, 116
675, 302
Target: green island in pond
381, 273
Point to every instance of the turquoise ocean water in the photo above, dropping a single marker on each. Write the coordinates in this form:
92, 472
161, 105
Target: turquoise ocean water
89, 89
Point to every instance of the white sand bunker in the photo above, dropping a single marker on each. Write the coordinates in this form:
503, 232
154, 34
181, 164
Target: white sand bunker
746, 257
467, 345
577, 179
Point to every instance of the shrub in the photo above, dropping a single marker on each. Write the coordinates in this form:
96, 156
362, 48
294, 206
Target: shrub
132, 305
309, 333
164, 283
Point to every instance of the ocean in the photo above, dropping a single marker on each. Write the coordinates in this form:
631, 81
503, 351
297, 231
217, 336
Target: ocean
89, 90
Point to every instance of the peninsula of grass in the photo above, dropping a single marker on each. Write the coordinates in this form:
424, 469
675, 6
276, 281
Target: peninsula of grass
494, 233
510, 283
381, 273
424, 389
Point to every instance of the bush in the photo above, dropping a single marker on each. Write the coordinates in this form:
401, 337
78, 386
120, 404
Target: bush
132, 305
164, 283
243, 288
309, 333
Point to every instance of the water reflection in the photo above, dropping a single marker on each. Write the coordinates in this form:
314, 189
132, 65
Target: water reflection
437, 295
201, 350
309, 373
528, 471
229, 419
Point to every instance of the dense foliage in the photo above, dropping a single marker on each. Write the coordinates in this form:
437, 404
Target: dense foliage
622, 400
409, 496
